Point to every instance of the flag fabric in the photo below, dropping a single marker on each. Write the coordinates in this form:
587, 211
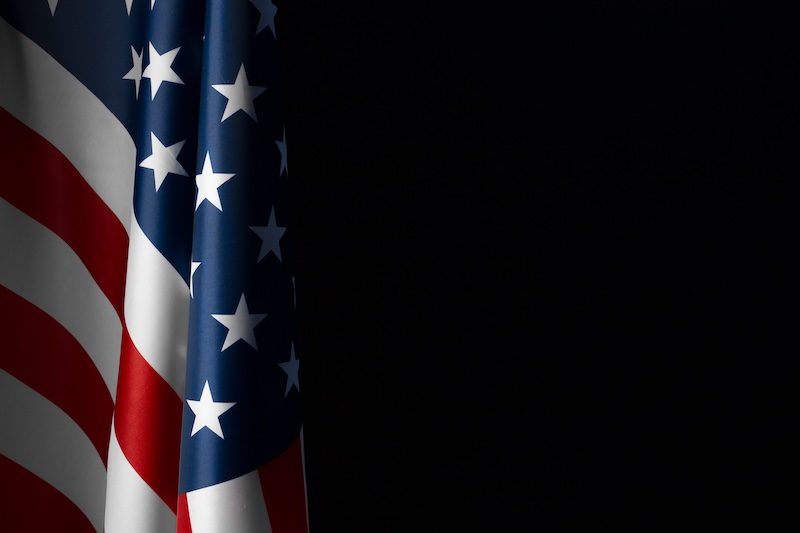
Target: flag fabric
149, 378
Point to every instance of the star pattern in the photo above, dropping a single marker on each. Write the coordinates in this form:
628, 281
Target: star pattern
281, 144
292, 369
208, 184
270, 236
159, 70
207, 412
240, 95
194, 267
163, 160
53, 4
241, 325
190, 114
267, 11
135, 73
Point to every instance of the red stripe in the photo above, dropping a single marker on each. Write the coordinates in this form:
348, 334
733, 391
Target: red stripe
30, 504
40, 181
148, 422
184, 524
38, 351
283, 486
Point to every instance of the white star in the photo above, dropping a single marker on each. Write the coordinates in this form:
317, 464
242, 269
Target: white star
195, 266
152, 4
207, 184
270, 236
282, 149
240, 95
160, 70
207, 412
292, 369
53, 5
267, 10
135, 73
241, 325
128, 4
163, 160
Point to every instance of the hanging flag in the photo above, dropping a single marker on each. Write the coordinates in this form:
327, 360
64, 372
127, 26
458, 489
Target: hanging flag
143, 205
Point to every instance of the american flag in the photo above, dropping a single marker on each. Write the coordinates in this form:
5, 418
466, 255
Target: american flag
149, 378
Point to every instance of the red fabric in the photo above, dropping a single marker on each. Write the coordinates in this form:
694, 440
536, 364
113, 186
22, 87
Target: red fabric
41, 182
283, 486
148, 423
184, 524
38, 351
34, 505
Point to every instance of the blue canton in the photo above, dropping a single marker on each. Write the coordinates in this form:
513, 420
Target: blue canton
241, 316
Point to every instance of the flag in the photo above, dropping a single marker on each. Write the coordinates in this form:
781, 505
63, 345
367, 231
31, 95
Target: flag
149, 375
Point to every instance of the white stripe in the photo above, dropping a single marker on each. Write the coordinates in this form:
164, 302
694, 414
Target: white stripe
235, 505
131, 505
42, 94
156, 309
39, 436
157, 318
38, 266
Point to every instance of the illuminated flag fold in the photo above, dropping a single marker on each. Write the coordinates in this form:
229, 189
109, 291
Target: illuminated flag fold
148, 369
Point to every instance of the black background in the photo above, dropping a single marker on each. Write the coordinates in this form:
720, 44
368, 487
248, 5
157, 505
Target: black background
544, 276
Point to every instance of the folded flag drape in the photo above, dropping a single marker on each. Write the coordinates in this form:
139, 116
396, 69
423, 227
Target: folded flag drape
149, 374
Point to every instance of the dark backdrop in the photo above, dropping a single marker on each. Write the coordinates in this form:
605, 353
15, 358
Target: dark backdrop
544, 265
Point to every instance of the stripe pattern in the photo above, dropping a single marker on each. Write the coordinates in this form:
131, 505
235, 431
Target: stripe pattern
145, 445
98, 142
63, 234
